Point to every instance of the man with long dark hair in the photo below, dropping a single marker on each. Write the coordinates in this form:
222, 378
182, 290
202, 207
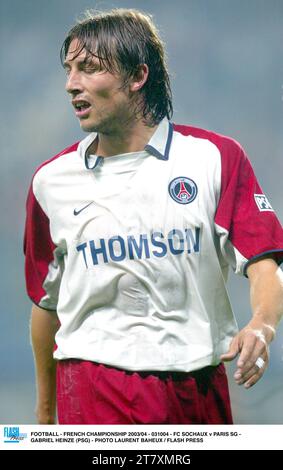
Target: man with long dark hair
129, 235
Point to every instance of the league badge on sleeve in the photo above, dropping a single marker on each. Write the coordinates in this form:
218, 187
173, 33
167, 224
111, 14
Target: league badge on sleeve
263, 203
183, 190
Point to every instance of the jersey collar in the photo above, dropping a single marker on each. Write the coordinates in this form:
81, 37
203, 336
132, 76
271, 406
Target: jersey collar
160, 142
158, 146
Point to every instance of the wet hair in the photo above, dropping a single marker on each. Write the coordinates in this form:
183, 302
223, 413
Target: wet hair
122, 40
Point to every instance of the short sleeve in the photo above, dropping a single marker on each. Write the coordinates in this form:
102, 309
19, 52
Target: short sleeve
43, 262
245, 220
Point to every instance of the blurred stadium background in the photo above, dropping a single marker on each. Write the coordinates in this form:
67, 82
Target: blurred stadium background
225, 59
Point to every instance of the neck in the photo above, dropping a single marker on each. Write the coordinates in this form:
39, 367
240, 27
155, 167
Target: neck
126, 140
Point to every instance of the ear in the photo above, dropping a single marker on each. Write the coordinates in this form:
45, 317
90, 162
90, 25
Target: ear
140, 77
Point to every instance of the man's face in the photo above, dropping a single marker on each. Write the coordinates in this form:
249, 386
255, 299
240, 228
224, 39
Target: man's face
100, 103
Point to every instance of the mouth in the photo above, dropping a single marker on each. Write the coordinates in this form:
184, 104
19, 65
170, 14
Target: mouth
82, 108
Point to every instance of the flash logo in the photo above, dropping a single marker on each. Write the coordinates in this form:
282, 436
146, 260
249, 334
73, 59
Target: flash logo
262, 203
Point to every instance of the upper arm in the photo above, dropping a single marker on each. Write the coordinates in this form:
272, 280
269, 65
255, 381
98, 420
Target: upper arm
262, 266
245, 221
44, 263
45, 318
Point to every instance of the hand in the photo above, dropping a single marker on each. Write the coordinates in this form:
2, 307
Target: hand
251, 343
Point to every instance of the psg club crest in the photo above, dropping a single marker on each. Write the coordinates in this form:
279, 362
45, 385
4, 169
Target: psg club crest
183, 190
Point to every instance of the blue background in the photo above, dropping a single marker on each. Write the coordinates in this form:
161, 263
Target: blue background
225, 59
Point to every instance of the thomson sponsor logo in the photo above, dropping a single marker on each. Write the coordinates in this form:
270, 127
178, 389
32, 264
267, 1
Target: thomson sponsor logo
143, 246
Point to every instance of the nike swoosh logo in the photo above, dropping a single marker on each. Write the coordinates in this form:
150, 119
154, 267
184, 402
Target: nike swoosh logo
77, 212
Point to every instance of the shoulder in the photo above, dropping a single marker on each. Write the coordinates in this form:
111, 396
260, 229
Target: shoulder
68, 150
43, 175
229, 148
44, 168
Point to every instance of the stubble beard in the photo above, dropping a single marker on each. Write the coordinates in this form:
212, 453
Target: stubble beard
112, 124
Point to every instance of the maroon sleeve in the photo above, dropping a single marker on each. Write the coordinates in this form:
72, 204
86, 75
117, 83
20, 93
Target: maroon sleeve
39, 254
244, 216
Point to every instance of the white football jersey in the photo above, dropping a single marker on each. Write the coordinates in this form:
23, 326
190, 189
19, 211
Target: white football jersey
133, 250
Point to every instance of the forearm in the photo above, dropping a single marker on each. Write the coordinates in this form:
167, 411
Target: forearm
266, 297
252, 342
44, 325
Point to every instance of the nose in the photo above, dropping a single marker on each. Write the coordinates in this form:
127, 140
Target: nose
73, 84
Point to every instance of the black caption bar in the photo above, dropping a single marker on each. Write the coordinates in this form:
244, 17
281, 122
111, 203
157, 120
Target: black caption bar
128, 459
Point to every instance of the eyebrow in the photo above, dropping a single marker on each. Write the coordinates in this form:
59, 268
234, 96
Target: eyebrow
86, 60
67, 63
